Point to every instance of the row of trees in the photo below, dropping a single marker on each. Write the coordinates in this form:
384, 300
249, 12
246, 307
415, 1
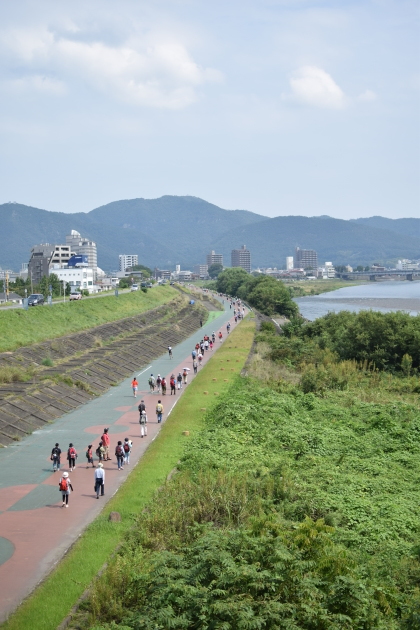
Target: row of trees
266, 294
19, 286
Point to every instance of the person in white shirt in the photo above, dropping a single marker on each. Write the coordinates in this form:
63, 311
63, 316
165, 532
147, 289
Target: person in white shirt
100, 480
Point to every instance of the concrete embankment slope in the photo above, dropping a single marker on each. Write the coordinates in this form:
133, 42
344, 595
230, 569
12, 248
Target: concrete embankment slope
86, 364
36, 531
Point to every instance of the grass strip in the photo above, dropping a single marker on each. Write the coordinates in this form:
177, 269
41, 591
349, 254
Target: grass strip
23, 328
54, 598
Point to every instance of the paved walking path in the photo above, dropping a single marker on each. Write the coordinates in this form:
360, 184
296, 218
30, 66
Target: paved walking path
35, 531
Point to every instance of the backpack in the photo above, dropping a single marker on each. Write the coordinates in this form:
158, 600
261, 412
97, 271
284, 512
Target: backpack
126, 447
119, 450
64, 485
54, 453
185, 373
98, 451
159, 408
151, 381
142, 418
72, 453
172, 382
158, 380
88, 453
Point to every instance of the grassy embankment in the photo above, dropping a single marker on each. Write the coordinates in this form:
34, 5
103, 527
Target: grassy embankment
316, 287
23, 328
45, 609
297, 506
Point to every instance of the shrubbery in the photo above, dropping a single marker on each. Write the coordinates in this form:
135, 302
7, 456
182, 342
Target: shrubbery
380, 338
267, 295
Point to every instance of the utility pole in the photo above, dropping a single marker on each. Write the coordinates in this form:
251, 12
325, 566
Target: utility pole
6, 286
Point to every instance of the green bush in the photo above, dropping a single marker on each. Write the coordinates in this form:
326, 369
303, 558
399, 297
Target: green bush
266, 294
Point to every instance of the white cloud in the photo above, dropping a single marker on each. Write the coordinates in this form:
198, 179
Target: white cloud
41, 84
150, 71
314, 86
367, 96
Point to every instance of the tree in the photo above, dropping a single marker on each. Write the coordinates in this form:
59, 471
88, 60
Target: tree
231, 279
215, 270
123, 284
359, 268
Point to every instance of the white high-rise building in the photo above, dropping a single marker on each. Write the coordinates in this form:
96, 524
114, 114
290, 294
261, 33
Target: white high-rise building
128, 260
81, 245
289, 262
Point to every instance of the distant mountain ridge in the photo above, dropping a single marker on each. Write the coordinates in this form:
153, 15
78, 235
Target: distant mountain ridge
182, 230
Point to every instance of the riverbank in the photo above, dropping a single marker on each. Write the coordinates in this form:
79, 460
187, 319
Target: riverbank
292, 506
45, 609
316, 287
381, 296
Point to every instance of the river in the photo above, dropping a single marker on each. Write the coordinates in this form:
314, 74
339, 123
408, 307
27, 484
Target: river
377, 296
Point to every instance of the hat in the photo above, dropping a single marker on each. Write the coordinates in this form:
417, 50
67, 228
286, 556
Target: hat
100, 465
65, 474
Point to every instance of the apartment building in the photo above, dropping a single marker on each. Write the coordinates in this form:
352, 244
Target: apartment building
213, 258
241, 258
305, 259
127, 261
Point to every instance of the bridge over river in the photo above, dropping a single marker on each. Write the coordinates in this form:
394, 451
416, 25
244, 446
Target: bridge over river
375, 275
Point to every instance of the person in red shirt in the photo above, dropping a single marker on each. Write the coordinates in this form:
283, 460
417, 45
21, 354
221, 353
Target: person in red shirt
135, 386
105, 443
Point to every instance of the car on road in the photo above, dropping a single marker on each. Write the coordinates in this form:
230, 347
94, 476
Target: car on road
134, 287
76, 295
150, 285
36, 299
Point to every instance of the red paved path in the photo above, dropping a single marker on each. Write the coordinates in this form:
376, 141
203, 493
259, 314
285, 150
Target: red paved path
41, 536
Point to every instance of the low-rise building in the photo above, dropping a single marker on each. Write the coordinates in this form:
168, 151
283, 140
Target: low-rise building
77, 277
11, 297
327, 271
201, 271
162, 274
407, 265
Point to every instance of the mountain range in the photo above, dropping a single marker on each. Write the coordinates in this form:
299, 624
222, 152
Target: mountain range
182, 230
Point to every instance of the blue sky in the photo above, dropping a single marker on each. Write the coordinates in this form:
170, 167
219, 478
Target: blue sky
276, 106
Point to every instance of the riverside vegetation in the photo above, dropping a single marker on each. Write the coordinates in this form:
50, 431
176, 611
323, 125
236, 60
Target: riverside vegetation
297, 504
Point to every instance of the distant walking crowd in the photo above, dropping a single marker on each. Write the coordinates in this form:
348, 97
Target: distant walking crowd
123, 449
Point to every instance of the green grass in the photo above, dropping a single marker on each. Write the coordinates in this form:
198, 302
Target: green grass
23, 328
316, 287
45, 609
213, 315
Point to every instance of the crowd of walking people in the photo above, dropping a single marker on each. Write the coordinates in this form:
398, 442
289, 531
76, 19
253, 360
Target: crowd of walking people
123, 449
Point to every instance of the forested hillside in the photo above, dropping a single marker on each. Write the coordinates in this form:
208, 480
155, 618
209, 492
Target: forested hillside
182, 230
